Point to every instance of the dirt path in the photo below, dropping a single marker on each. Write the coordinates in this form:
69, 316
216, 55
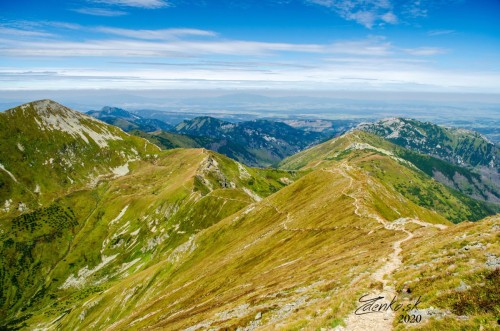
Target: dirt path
377, 321
354, 190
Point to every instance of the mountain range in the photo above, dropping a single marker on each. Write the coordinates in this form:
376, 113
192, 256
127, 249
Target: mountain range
461, 159
478, 159
128, 121
255, 143
458, 146
115, 233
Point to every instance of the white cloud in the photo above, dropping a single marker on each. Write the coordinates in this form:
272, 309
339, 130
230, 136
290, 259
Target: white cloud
416, 9
378, 62
372, 13
185, 58
366, 18
425, 51
14, 32
365, 12
38, 26
136, 48
168, 43
390, 18
100, 12
61, 25
163, 34
148, 4
370, 47
325, 77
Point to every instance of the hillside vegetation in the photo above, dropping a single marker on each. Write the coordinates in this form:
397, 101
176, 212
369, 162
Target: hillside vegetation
477, 160
394, 167
189, 239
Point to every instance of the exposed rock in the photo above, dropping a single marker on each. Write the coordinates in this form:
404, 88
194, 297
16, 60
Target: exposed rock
210, 167
286, 181
462, 287
493, 261
427, 313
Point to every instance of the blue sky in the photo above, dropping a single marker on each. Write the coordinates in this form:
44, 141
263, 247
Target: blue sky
388, 45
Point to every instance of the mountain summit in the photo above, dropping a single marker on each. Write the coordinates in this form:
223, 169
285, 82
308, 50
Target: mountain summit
47, 148
458, 146
475, 161
52, 116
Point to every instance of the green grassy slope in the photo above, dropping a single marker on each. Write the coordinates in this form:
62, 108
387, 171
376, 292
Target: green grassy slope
92, 238
475, 165
169, 140
191, 239
48, 150
456, 272
284, 251
399, 168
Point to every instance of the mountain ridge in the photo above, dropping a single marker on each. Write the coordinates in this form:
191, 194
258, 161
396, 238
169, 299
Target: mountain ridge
382, 158
464, 148
47, 147
128, 121
191, 239
256, 143
451, 144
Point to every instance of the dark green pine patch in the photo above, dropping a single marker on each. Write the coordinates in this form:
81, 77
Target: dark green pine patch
33, 240
45, 221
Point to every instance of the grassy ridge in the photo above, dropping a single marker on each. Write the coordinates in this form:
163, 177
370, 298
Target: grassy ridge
394, 166
92, 238
456, 276
253, 261
46, 162
191, 238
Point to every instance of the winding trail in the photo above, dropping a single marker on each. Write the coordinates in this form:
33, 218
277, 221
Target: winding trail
355, 191
382, 321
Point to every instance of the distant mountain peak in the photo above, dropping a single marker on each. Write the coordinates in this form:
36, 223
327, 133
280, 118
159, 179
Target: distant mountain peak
207, 118
42, 107
114, 111
201, 124
458, 146
52, 116
128, 121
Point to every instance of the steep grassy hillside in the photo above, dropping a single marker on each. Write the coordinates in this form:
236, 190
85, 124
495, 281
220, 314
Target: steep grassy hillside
476, 170
274, 263
47, 150
86, 241
188, 239
395, 167
456, 273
